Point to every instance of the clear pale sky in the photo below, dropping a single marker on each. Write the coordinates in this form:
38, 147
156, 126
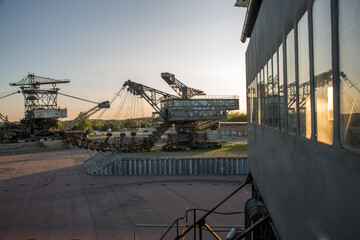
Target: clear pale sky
100, 44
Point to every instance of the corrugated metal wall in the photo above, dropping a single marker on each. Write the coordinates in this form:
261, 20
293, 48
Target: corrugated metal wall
112, 164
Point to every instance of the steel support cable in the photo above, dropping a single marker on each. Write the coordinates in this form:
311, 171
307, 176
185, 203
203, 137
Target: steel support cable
138, 111
118, 107
123, 108
134, 108
117, 94
121, 105
142, 108
127, 103
128, 108
353, 106
349, 82
78, 98
132, 111
6, 92
348, 94
9, 94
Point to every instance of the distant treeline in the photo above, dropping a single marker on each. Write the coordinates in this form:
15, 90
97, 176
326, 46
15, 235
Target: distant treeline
236, 117
119, 125
114, 125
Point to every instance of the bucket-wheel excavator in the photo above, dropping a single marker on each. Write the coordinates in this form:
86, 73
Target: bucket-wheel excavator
190, 112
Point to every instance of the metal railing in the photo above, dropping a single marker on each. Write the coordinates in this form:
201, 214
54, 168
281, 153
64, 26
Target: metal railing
216, 97
201, 224
137, 226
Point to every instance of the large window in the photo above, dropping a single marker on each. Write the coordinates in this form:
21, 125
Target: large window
262, 91
349, 38
281, 89
266, 93
251, 101
270, 93
323, 71
266, 96
249, 104
275, 79
304, 77
291, 84
259, 98
254, 84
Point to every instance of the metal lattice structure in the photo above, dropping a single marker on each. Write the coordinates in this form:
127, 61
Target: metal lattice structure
153, 96
41, 108
36, 98
181, 89
189, 115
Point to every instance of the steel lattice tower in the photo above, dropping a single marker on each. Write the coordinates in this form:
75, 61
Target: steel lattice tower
41, 109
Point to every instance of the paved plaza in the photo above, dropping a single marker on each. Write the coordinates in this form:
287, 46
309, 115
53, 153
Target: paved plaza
48, 195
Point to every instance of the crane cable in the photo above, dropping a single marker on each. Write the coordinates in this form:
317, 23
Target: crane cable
78, 98
121, 105
9, 94
116, 95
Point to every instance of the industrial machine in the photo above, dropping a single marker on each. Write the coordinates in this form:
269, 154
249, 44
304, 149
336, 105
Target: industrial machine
189, 113
42, 111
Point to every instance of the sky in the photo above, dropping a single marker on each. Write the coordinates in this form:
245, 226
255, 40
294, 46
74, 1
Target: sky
99, 45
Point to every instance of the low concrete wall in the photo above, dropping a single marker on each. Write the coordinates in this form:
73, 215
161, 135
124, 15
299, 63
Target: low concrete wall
32, 147
112, 164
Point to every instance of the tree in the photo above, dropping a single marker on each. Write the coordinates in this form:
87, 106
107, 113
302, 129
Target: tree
84, 124
59, 125
98, 125
236, 117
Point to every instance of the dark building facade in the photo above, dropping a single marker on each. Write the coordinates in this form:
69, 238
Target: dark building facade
303, 104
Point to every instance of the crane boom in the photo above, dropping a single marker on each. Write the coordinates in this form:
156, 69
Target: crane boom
71, 124
181, 89
34, 81
151, 95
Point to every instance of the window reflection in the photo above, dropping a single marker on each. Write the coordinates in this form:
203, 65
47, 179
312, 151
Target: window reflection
270, 93
281, 89
249, 104
275, 79
349, 35
323, 71
259, 97
251, 101
254, 113
304, 77
291, 85
262, 97
266, 96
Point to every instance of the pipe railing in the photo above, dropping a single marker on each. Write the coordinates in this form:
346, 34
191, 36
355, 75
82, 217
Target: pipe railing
201, 223
138, 226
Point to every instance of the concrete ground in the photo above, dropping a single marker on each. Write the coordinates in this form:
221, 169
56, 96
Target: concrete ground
48, 195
